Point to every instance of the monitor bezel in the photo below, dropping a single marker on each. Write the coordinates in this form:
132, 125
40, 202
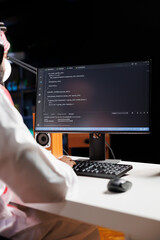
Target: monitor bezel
101, 131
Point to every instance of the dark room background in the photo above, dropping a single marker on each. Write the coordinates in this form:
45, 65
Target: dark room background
65, 32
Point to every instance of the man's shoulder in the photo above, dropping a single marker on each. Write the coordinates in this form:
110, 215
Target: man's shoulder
6, 92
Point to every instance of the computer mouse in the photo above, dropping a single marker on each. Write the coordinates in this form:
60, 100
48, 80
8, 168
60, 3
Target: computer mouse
119, 185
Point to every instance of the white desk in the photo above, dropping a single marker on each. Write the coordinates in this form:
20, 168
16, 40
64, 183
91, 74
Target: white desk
135, 212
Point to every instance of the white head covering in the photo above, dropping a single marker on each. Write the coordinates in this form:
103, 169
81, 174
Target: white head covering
7, 71
7, 65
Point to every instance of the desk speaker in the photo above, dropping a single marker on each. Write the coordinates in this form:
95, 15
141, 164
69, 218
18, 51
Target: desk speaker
44, 139
51, 141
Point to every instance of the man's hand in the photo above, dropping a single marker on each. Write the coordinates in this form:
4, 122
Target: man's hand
68, 160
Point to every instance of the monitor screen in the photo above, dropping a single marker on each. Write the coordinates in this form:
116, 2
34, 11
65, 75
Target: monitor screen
106, 98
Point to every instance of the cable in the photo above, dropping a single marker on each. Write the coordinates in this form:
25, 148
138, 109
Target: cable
97, 135
110, 149
65, 152
23, 65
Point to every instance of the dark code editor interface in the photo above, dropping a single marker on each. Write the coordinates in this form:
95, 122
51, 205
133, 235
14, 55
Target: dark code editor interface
102, 97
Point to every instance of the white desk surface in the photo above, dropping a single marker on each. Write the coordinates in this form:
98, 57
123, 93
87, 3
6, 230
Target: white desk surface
135, 212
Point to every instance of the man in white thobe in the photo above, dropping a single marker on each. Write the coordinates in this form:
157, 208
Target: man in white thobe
34, 175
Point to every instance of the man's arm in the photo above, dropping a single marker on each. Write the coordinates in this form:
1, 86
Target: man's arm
33, 173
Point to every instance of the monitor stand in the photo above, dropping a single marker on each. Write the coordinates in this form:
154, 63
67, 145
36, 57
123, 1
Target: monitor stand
97, 149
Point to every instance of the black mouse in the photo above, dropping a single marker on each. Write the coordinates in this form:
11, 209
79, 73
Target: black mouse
119, 185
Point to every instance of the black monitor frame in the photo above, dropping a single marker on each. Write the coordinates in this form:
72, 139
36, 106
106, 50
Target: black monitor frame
97, 138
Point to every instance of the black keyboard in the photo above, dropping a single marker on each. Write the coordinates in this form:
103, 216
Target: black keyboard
100, 169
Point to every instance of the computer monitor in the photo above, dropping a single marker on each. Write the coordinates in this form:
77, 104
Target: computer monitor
96, 99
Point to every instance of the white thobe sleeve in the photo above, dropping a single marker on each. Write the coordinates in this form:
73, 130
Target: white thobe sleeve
32, 172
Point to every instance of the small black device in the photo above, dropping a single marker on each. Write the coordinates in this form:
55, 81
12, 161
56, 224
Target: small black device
2, 28
119, 185
1, 52
100, 169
